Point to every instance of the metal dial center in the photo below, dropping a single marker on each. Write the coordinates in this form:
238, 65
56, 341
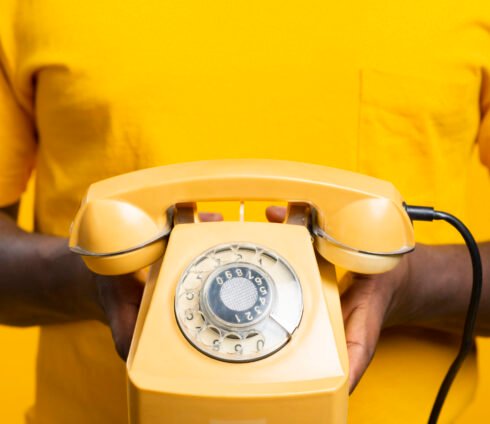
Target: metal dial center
237, 295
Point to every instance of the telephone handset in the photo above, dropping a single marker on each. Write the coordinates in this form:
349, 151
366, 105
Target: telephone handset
240, 321
360, 222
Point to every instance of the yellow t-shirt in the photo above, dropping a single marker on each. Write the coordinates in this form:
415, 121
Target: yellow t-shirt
97, 88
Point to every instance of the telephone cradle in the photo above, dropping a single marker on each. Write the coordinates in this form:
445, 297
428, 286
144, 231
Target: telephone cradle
240, 322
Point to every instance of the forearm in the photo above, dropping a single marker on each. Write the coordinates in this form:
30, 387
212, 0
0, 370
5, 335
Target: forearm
440, 282
41, 282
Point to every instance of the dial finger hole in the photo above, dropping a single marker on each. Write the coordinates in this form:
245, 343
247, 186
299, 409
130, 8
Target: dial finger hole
209, 334
192, 281
187, 300
230, 340
254, 342
192, 319
206, 265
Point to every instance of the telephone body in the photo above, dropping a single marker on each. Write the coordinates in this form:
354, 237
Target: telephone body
240, 322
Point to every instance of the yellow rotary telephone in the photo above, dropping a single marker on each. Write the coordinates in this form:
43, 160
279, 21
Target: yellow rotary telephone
240, 322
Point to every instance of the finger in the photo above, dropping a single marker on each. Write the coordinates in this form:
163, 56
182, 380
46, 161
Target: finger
210, 216
120, 298
361, 339
276, 214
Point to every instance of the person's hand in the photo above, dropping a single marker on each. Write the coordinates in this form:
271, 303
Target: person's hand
120, 299
371, 303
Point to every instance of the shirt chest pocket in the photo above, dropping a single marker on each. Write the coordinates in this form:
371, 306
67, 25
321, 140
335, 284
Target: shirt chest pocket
418, 133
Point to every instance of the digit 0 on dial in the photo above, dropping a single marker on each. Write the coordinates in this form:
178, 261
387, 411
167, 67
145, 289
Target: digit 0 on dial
238, 302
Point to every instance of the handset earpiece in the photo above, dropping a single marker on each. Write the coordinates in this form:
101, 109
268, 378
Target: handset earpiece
341, 255
115, 237
349, 224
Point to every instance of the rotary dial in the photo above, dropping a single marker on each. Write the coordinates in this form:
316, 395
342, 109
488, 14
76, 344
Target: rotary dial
238, 302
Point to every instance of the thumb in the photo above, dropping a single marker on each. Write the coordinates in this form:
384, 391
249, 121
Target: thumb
363, 313
120, 297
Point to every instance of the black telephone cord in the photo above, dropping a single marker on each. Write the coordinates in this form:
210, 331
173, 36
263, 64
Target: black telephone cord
420, 213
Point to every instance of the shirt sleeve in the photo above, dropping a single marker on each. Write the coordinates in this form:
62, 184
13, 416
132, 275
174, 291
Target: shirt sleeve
17, 145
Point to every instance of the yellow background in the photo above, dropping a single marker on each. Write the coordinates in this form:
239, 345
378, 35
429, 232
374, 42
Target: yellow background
18, 346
